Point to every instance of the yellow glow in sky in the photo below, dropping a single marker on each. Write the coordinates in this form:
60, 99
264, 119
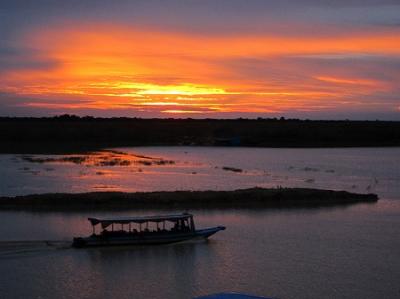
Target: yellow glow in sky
161, 72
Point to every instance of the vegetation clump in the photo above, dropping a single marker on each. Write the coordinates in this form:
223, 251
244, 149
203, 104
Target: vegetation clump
233, 169
102, 158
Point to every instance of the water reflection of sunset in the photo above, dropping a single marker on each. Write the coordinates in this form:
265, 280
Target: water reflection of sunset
100, 159
199, 168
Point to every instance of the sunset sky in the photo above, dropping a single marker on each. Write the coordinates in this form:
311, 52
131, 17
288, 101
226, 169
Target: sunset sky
219, 59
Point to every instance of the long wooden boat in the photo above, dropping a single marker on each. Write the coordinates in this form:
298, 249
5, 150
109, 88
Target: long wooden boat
148, 230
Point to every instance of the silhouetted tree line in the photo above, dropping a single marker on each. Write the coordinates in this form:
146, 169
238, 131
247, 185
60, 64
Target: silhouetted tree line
23, 134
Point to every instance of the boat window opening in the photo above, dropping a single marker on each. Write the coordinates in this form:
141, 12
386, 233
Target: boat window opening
173, 223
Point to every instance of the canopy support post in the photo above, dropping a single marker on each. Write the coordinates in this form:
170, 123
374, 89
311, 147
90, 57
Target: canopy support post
192, 227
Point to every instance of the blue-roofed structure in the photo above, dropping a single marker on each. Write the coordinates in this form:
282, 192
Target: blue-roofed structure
231, 296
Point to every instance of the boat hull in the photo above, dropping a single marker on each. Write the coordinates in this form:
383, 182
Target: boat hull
145, 238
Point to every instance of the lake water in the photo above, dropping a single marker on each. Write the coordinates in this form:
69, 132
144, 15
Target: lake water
337, 252
202, 168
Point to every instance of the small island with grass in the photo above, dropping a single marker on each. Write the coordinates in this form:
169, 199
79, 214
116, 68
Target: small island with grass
242, 198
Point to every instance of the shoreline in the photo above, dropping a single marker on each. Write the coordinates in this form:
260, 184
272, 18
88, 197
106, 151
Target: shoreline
251, 198
49, 135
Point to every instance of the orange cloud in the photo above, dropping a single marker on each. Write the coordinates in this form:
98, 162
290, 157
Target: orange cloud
119, 68
355, 81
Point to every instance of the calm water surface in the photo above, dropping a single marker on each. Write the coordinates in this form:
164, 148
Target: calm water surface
342, 252
201, 168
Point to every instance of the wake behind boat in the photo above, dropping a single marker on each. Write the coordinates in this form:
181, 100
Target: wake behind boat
146, 230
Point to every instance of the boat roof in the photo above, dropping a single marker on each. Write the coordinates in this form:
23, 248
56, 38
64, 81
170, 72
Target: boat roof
140, 219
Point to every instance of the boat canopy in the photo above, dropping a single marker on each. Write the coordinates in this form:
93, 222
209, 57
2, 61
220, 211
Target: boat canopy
105, 222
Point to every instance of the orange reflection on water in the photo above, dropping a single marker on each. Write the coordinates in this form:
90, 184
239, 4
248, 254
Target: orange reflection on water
102, 158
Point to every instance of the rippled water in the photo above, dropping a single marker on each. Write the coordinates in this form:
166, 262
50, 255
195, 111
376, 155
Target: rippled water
348, 252
340, 252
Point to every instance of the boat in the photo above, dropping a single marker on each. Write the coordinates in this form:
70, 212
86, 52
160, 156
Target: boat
145, 230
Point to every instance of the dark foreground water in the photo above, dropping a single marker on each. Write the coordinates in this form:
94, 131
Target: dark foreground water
350, 252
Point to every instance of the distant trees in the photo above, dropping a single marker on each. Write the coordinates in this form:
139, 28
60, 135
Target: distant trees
100, 132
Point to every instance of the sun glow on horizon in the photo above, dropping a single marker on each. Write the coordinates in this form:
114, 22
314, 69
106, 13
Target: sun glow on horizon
117, 68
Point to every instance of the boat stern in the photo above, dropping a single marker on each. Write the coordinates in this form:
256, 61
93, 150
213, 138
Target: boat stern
78, 242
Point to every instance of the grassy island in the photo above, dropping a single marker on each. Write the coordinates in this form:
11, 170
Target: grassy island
243, 198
